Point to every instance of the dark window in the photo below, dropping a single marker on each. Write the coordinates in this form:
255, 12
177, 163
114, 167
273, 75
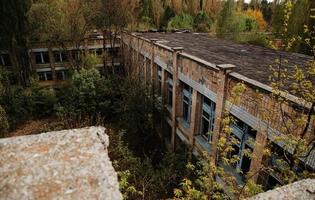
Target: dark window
57, 56
246, 137
41, 76
268, 180
113, 51
187, 93
98, 52
64, 57
38, 58
45, 57
60, 56
45, 76
159, 81
208, 116
170, 90
61, 75
5, 60
49, 76
41, 57
245, 164
76, 54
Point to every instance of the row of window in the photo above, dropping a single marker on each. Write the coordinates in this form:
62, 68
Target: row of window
47, 76
240, 131
62, 56
59, 56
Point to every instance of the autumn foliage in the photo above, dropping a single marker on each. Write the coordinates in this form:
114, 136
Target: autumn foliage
258, 16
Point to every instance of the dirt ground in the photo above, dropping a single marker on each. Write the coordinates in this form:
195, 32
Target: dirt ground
34, 127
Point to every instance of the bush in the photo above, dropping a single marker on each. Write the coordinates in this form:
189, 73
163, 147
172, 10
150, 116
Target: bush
88, 95
4, 124
168, 14
202, 22
39, 101
145, 24
22, 104
182, 21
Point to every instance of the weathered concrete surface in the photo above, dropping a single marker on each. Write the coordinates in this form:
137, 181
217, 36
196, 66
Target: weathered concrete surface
300, 190
70, 164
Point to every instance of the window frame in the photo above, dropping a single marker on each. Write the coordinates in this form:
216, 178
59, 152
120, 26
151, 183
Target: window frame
160, 81
170, 90
187, 101
45, 75
210, 110
42, 60
3, 60
244, 136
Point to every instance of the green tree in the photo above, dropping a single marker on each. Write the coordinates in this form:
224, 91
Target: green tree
111, 17
266, 9
225, 19
14, 35
168, 14
63, 23
202, 22
182, 21
299, 18
277, 18
4, 124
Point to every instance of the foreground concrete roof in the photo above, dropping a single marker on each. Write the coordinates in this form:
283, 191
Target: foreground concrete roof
300, 190
250, 60
70, 164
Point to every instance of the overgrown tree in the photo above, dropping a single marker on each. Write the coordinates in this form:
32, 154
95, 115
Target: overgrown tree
111, 18
225, 18
63, 23
14, 35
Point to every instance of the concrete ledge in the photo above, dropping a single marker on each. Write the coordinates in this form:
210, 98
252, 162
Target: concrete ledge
198, 60
299, 190
69, 164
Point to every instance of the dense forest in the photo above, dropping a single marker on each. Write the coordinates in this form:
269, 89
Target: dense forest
122, 104
258, 22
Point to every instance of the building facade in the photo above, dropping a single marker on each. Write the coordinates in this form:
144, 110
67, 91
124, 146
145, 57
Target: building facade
53, 63
195, 84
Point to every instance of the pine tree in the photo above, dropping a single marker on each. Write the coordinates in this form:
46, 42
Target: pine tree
225, 18
277, 18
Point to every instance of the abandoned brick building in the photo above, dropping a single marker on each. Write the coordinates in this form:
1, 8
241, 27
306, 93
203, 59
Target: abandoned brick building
195, 74
52, 64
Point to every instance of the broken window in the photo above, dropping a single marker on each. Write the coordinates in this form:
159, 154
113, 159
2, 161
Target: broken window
207, 118
159, 81
170, 90
61, 75
245, 136
45, 76
42, 57
96, 52
187, 94
5, 60
60, 57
